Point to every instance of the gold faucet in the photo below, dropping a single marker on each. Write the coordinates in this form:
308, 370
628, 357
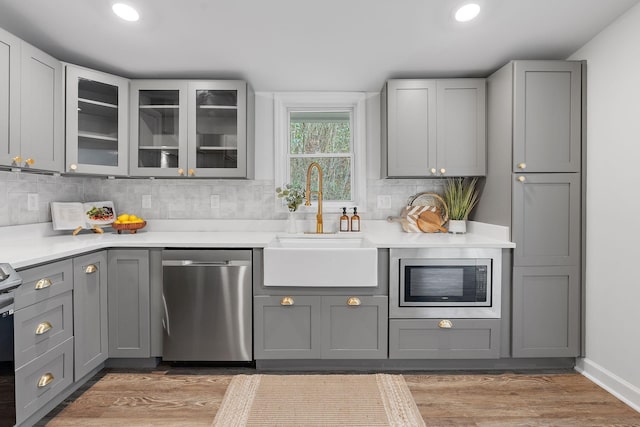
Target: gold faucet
319, 193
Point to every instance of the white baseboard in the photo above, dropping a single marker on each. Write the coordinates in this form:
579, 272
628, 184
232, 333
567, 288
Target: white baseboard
620, 388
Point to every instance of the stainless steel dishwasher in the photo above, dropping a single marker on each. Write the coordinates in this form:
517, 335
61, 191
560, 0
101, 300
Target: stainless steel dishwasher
207, 305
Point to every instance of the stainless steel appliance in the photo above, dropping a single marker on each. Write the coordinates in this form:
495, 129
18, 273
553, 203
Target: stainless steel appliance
445, 282
9, 281
207, 305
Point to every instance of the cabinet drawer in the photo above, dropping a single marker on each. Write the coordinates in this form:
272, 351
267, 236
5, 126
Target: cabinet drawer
444, 339
287, 328
42, 326
42, 379
46, 281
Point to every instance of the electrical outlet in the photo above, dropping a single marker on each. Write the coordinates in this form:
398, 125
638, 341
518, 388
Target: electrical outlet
146, 201
32, 201
383, 202
214, 201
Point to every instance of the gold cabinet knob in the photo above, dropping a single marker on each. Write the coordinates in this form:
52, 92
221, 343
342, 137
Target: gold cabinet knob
445, 324
522, 165
43, 327
192, 172
443, 171
91, 268
17, 160
43, 283
286, 301
353, 301
181, 172
433, 171
29, 161
522, 178
45, 380
73, 167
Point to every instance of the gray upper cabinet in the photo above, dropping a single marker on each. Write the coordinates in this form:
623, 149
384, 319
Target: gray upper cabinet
31, 107
9, 98
461, 127
546, 219
410, 118
158, 142
433, 128
90, 312
41, 116
219, 140
128, 303
547, 116
192, 128
97, 132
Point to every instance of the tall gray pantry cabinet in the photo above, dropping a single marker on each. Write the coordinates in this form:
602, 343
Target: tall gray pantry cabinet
533, 185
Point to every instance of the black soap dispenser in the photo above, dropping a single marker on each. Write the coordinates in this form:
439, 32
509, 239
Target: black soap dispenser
355, 220
344, 220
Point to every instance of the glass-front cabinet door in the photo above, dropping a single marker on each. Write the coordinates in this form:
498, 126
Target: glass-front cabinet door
158, 128
97, 122
218, 129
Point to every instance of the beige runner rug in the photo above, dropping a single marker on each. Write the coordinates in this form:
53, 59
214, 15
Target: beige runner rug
318, 400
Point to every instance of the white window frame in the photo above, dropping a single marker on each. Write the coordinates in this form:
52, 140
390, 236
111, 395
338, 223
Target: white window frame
355, 103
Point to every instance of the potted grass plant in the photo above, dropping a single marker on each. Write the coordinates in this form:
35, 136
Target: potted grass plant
461, 196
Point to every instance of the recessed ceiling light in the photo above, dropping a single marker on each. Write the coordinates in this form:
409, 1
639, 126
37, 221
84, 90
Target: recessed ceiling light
467, 12
125, 12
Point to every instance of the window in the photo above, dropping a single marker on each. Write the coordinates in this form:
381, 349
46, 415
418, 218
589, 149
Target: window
327, 128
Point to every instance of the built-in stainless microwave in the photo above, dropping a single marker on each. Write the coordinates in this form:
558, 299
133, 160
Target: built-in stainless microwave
445, 282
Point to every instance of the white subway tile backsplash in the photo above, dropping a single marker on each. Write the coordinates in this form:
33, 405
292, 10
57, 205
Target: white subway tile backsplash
180, 198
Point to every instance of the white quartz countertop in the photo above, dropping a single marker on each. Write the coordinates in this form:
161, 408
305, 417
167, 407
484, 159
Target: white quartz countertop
23, 246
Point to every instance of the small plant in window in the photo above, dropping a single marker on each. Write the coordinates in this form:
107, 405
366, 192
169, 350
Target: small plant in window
292, 195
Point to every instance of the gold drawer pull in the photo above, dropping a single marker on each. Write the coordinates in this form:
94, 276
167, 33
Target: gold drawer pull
445, 324
286, 301
45, 380
43, 328
353, 301
43, 283
90, 269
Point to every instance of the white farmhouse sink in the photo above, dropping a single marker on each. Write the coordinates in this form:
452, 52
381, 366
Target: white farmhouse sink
320, 261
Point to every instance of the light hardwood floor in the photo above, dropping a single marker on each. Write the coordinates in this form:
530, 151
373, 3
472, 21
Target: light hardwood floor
191, 397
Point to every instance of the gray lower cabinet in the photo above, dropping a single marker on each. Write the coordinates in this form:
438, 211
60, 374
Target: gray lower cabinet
444, 338
546, 311
320, 327
90, 312
354, 327
42, 326
287, 327
45, 281
128, 303
42, 379
43, 331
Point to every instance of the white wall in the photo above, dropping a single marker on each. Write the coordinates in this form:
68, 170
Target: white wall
613, 198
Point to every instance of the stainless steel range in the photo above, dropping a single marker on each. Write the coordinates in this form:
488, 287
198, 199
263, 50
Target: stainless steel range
9, 281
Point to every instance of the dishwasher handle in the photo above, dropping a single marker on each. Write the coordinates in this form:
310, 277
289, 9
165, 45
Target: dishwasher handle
191, 263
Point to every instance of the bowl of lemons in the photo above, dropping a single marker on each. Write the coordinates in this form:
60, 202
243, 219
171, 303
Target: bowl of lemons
129, 222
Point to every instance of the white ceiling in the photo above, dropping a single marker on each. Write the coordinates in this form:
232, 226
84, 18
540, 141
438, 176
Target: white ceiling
280, 45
